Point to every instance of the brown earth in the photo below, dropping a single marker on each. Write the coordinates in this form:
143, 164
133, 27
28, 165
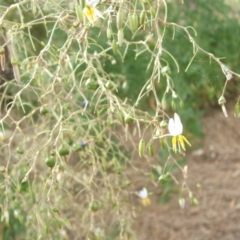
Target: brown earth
216, 167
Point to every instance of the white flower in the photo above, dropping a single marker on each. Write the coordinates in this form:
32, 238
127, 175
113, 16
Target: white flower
16, 212
175, 128
143, 194
98, 230
90, 11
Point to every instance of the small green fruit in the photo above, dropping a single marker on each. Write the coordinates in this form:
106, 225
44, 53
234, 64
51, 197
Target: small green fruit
95, 206
128, 119
55, 209
77, 148
63, 151
50, 162
91, 84
24, 185
20, 151
141, 148
109, 85
151, 150
44, 110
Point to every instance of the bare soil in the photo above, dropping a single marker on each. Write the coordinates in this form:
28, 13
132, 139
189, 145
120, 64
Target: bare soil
216, 166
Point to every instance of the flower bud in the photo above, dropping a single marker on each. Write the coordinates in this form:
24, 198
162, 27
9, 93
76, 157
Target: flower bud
135, 22
163, 124
151, 149
119, 19
141, 148
2, 59
236, 110
181, 202
173, 104
162, 143
221, 100
14, 61
142, 17
181, 104
114, 46
164, 103
194, 201
109, 33
152, 12
120, 37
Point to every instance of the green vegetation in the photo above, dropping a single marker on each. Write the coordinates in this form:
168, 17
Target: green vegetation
86, 103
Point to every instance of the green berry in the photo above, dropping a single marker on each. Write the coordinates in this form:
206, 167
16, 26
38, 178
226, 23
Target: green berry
44, 110
63, 151
50, 162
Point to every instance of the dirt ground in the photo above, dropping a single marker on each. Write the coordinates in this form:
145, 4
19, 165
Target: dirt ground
216, 166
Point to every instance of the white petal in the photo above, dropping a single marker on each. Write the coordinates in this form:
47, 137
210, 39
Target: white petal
143, 193
92, 3
178, 124
98, 13
171, 127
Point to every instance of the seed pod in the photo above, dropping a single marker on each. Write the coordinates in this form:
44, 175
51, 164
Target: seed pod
164, 103
119, 19
15, 68
2, 58
79, 9
151, 149
236, 110
135, 22
162, 143
114, 46
173, 105
141, 148
181, 104
33, 7
130, 23
142, 17
152, 12
194, 201
109, 33
120, 37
